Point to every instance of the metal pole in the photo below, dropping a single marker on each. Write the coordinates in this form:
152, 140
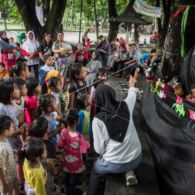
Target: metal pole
81, 10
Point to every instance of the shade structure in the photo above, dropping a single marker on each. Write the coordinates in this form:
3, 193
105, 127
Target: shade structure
130, 16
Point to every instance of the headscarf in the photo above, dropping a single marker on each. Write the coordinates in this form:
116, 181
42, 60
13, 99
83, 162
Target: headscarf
113, 113
29, 45
123, 42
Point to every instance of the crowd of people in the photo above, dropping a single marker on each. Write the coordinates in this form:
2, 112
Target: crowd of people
37, 118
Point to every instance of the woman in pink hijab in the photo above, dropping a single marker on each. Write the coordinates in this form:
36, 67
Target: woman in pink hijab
124, 42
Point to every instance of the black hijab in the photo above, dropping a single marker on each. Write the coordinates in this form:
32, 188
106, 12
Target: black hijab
114, 114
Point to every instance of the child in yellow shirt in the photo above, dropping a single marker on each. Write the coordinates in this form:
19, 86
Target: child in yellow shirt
4, 74
33, 152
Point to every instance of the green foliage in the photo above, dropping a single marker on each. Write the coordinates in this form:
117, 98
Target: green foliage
10, 7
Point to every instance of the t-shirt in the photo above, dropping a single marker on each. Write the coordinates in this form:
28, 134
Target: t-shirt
43, 72
7, 162
78, 90
11, 111
46, 50
31, 103
53, 126
35, 178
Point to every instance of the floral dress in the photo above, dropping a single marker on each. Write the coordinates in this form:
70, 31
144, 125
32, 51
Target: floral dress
74, 145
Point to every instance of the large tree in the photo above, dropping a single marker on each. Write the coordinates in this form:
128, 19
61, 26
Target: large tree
53, 13
114, 26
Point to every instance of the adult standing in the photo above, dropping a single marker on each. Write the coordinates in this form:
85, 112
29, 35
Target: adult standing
30, 50
115, 136
62, 52
103, 49
46, 48
7, 54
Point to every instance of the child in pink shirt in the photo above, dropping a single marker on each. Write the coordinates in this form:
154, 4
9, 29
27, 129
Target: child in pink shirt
74, 146
31, 101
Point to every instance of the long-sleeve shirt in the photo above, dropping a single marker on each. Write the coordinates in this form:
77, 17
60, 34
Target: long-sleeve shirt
117, 152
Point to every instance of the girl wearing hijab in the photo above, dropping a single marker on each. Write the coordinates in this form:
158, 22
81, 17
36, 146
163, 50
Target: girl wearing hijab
31, 52
115, 136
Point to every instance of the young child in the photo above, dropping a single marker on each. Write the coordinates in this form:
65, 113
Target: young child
84, 116
21, 100
39, 129
21, 70
8, 107
78, 85
49, 62
51, 113
4, 74
8, 181
31, 101
74, 146
31, 155
55, 86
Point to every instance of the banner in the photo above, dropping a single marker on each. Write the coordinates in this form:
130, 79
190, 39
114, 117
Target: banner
169, 124
143, 8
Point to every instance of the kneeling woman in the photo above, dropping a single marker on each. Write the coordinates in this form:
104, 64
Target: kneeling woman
115, 136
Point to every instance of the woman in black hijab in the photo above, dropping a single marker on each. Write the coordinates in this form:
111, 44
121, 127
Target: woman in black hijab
115, 136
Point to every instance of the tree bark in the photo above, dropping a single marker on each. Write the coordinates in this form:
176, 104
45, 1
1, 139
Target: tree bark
114, 26
53, 16
136, 34
172, 49
96, 21
166, 4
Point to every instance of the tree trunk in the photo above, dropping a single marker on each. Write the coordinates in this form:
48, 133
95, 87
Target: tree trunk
172, 49
114, 26
167, 4
96, 21
136, 34
53, 16
173, 43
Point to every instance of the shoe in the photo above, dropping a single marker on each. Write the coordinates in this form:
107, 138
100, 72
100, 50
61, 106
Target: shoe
131, 179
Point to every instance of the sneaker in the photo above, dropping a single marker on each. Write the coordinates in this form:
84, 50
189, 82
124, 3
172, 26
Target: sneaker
131, 179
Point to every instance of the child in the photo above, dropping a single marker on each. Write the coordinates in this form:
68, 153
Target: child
51, 113
31, 101
21, 100
74, 146
21, 70
84, 116
92, 68
8, 107
39, 129
49, 62
31, 155
4, 74
8, 181
55, 86
78, 85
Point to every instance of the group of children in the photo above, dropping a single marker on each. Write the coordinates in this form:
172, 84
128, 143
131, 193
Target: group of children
37, 118
35, 122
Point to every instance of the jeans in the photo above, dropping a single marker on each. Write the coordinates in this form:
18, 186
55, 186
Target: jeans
101, 168
70, 183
